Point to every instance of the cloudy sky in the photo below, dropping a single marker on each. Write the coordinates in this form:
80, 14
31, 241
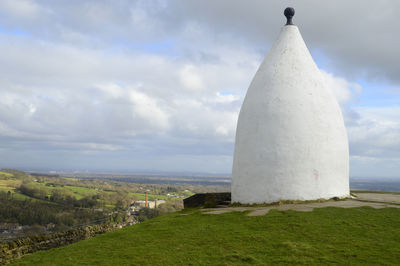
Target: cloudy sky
157, 85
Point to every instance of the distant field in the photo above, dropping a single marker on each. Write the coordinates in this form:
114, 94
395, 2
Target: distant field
166, 180
358, 236
5, 174
142, 196
7, 183
80, 192
75, 191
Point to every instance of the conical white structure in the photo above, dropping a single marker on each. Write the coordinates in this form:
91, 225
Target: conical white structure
291, 143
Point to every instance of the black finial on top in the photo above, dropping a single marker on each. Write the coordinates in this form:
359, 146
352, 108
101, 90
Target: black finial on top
289, 13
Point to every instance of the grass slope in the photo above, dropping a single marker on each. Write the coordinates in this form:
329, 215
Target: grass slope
324, 236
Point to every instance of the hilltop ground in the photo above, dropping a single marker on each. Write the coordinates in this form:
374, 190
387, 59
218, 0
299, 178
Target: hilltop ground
325, 235
361, 199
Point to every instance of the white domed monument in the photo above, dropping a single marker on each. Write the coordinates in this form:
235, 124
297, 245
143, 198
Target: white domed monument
291, 142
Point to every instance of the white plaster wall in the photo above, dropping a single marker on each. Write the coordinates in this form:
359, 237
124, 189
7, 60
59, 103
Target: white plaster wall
291, 143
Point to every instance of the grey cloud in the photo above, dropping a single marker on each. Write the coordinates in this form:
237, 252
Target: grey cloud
358, 37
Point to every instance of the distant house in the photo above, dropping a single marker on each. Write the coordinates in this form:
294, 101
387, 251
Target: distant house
137, 205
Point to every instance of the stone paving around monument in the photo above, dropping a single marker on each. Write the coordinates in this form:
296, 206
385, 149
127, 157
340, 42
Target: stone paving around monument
374, 200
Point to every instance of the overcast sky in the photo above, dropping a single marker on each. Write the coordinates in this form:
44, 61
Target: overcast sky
157, 85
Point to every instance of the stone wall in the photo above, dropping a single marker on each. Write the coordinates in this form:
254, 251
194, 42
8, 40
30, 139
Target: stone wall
208, 200
17, 248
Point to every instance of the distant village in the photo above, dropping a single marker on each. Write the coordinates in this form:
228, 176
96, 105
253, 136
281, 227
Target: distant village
139, 204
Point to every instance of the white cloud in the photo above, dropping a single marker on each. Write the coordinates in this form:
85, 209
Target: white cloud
374, 132
97, 146
120, 101
377, 132
226, 98
344, 90
22, 8
156, 83
113, 90
147, 108
190, 78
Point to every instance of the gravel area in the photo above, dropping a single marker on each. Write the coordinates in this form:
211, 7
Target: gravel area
374, 200
379, 197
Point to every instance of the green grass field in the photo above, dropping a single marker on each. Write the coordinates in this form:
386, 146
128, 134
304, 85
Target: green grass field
356, 236
5, 175
7, 183
80, 192
75, 191
142, 196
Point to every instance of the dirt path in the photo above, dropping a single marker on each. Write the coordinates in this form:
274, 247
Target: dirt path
374, 200
379, 197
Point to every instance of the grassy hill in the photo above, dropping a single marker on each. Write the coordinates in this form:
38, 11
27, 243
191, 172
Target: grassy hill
325, 236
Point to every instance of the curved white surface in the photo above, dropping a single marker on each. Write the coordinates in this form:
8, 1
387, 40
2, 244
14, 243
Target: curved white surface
291, 143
